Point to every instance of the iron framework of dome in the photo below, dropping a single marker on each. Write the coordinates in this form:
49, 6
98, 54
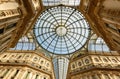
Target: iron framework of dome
61, 30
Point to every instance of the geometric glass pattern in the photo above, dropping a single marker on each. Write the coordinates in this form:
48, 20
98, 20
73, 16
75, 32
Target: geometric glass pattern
63, 2
98, 45
61, 30
60, 67
25, 43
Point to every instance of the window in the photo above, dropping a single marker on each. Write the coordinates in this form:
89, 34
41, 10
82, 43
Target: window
97, 44
73, 66
27, 75
25, 43
1, 30
40, 67
96, 59
4, 56
15, 74
61, 30
11, 26
42, 62
6, 72
19, 57
87, 61
27, 56
114, 60
35, 59
105, 60
2, 14
63, 2
79, 63
44, 77
111, 26
4, 41
36, 77
47, 64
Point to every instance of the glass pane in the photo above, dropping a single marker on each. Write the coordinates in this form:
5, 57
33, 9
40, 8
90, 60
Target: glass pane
58, 2
60, 67
61, 31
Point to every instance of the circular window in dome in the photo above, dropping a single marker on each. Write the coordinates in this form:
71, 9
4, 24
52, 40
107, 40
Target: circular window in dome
61, 30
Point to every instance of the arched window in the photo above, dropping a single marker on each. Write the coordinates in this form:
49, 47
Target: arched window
97, 44
79, 63
24, 43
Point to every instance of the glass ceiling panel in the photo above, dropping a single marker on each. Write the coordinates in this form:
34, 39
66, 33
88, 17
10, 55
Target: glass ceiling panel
60, 67
58, 2
98, 45
24, 43
61, 30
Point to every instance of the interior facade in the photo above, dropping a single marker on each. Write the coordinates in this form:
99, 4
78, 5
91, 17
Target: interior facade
59, 39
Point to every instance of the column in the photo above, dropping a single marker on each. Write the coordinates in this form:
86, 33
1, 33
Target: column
12, 74
21, 74
102, 76
29, 75
7, 74
41, 77
34, 76
17, 75
3, 73
38, 77
1, 70
98, 76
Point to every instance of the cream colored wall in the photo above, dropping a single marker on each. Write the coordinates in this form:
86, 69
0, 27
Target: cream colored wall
18, 72
9, 16
29, 64
104, 19
27, 58
98, 74
98, 61
112, 4
8, 5
21, 12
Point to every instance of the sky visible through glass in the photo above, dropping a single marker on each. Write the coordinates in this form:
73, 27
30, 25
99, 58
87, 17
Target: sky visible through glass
61, 30
58, 2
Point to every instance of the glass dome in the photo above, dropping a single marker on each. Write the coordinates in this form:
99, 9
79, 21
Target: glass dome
58, 2
61, 30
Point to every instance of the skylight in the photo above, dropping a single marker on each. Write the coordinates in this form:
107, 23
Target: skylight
63, 2
24, 43
61, 30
